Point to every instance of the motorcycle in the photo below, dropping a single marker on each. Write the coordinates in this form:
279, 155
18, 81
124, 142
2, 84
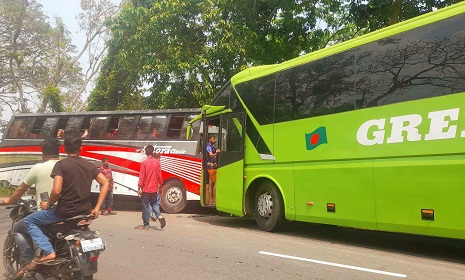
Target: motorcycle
76, 246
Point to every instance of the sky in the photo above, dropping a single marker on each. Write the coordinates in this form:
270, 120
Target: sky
67, 10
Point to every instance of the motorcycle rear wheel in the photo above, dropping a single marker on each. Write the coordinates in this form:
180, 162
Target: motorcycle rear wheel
11, 255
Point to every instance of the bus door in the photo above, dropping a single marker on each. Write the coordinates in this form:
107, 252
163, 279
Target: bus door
229, 130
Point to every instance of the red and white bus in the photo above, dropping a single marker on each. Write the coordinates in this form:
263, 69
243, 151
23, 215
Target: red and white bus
121, 136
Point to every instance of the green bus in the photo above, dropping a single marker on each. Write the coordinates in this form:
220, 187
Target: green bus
369, 133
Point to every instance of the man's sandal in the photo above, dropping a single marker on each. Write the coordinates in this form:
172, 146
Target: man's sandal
28, 267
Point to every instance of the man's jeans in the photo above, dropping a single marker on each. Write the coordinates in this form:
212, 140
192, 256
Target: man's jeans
108, 202
38, 220
24, 242
150, 202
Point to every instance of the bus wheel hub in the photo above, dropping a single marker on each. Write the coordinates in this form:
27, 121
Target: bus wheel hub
173, 195
265, 205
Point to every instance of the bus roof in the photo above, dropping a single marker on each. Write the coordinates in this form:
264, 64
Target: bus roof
116, 113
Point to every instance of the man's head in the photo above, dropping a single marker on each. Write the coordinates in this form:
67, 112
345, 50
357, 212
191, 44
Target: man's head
51, 148
149, 150
105, 161
212, 138
72, 141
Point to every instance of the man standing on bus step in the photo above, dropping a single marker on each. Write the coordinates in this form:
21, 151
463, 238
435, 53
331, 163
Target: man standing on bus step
150, 181
212, 153
107, 204
39, 175
72, 181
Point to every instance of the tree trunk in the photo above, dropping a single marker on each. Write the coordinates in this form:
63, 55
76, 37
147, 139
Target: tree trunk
395, 15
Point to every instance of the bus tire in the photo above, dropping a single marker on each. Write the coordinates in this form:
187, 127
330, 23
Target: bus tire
269, 207
173, 198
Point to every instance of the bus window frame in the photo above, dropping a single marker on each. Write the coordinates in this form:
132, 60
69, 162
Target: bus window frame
52, 129
79, 123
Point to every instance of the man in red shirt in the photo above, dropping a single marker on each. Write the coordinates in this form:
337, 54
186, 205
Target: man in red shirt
150, 181
107, 204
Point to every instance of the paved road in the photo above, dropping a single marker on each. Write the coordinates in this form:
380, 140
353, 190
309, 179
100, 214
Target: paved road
200, 245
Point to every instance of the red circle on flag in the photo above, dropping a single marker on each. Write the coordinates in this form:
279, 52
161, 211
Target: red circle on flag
314, 139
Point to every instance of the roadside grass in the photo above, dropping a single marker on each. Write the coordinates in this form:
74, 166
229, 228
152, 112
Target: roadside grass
6, 192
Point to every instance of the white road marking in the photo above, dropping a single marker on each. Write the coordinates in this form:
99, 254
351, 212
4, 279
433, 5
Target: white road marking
334, 264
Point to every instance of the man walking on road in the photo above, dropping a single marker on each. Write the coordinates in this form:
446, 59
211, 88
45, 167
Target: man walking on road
150, 181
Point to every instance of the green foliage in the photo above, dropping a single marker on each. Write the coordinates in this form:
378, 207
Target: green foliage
6, 192
53, 94
174, 53
376, 14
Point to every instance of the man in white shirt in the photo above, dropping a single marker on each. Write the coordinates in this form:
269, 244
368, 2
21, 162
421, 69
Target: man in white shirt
40, 176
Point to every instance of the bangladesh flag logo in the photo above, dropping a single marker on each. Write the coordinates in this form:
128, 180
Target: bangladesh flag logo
316, 138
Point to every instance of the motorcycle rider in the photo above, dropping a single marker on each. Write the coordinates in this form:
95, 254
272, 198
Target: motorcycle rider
72, 179
39, 175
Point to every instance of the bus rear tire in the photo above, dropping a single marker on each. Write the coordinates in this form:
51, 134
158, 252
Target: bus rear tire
173, 200
269, 207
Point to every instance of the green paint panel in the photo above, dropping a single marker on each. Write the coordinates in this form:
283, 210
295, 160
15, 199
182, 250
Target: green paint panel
348, 185
229, 188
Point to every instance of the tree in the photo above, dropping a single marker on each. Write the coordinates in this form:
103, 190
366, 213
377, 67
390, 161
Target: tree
375, 14
24, 39
173, 53
180, 53
37, 55
93, 21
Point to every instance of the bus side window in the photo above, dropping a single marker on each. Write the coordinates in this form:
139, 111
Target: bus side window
174, 128
158, 127
112, 128
126, 127
61, 126
85, 127
194, 129
97, 128
20, 128
143, 127
36, 127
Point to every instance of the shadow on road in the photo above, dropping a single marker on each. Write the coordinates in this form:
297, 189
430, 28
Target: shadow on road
451, 250
192, 207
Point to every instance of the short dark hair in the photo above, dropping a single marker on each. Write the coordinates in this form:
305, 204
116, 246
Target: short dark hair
72, 141
149, 150
104, 159
51, 147
211, 136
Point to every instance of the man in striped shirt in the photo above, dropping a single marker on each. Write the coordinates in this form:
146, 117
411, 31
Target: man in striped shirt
107, 205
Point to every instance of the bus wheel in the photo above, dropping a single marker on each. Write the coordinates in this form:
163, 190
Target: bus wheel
269, 207
173, 199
